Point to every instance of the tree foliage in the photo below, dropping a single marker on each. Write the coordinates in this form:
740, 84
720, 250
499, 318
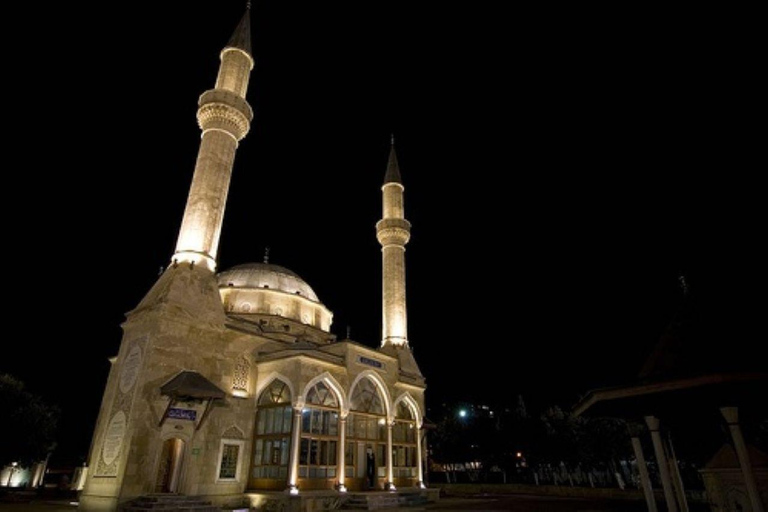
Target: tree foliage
550, 438
30, 424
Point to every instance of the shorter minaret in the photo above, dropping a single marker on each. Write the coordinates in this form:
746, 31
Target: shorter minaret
393, 232
224, 117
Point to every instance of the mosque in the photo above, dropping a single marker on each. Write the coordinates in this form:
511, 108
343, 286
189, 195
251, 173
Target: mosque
229, 386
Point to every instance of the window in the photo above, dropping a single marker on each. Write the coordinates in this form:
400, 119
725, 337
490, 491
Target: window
320, 394
229, 460
274, 423
277, 393
404, 453
318, 450
367, 422
240, 376
366, 398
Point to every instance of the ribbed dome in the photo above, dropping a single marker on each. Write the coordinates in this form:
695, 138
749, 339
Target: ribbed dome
266, 275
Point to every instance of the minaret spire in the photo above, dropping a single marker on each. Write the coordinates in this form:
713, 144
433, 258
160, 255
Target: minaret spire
224, 117
393, 169
241, 37
393, 233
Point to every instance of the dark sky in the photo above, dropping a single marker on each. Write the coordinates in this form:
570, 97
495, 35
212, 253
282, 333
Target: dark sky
562, 169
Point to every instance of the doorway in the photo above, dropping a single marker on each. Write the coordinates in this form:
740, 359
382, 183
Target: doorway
169, 470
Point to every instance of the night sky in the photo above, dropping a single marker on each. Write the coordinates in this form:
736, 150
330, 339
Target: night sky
562, 170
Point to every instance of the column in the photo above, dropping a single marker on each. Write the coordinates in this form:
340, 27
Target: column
731, 415
677, 479
645, 479
390, 485
661, 461
341, 462
293, 469
419, 460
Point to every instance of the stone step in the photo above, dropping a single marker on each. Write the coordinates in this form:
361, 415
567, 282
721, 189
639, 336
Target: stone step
180, 508
410, 500
168, 503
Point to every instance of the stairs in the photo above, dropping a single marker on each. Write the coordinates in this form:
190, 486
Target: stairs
168, 503
384, 500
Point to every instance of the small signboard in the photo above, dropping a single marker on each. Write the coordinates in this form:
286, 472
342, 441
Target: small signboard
182, 414
370, 362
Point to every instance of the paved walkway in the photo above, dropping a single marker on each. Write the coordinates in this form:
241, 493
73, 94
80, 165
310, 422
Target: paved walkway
38, 506
516, 503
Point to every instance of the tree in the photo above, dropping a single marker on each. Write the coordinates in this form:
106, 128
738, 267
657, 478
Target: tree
30, 424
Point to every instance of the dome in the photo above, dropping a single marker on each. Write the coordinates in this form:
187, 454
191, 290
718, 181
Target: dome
266, 275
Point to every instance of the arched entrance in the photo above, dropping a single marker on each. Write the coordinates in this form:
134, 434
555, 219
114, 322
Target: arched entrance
169, 469
366, 442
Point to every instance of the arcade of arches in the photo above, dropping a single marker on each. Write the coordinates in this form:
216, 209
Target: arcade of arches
369, 445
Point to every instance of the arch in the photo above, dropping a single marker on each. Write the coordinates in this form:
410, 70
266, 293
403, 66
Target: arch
233, 432
268, 382
379, 383
167, 433
412, 404
327, 379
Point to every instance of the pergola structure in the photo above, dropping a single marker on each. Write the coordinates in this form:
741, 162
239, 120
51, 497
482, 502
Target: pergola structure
692, 381
644, 406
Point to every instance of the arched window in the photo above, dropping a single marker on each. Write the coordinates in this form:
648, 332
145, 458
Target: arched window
319, 437
272, 439
404, 432
320, 394
367, 398
277, 393
366, 430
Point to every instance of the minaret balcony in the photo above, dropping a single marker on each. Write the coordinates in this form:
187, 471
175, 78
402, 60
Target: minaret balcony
224, 110
393, 231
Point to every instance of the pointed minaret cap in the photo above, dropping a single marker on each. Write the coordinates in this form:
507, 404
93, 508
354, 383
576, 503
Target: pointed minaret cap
393, 169
241, 37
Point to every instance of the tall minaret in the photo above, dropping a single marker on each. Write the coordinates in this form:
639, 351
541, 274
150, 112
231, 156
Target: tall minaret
393, 232
225, 118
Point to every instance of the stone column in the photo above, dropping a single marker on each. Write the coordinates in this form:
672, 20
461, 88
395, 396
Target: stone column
731, 415
293, 469
420, 473
661, 461
390, 485
341, 463
645, 479
677, 479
